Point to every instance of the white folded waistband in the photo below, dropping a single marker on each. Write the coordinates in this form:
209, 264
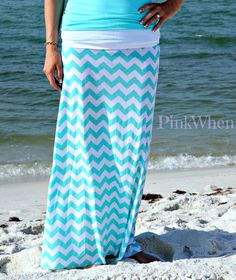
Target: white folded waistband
110, 39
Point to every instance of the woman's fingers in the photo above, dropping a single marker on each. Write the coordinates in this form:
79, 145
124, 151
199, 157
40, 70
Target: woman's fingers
151, 17
59, 72
51, 78
166, 10
160, 22
52, 82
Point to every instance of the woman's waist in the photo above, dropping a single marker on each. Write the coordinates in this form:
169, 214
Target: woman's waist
110, 38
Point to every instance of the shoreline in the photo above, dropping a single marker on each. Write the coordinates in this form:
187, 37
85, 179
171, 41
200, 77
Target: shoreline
190, 180
27, 198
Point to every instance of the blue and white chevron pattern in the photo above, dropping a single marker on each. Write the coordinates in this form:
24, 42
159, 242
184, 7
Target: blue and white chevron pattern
101, 149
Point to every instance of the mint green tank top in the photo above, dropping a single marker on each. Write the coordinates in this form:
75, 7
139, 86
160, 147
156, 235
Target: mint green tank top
103, 15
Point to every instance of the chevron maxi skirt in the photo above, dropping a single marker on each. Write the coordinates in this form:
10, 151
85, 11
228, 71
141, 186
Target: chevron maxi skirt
101, 149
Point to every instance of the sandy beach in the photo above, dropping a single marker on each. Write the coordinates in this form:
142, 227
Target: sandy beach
188, 221
188, 211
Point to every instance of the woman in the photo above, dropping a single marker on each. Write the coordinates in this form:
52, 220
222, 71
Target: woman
109, 67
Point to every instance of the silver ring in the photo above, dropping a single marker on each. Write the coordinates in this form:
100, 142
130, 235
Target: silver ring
158, 16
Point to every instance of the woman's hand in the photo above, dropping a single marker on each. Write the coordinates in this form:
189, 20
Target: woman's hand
52, 65
166, 10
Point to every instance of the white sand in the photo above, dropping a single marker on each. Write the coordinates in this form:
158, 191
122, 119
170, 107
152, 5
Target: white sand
195, 234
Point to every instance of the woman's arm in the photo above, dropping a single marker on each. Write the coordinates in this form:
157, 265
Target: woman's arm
166, 10
53, 10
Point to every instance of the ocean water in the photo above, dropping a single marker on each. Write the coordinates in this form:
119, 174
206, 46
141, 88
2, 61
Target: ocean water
195, 111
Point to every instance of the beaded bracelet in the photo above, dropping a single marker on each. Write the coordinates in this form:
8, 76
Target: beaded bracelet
51, 43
